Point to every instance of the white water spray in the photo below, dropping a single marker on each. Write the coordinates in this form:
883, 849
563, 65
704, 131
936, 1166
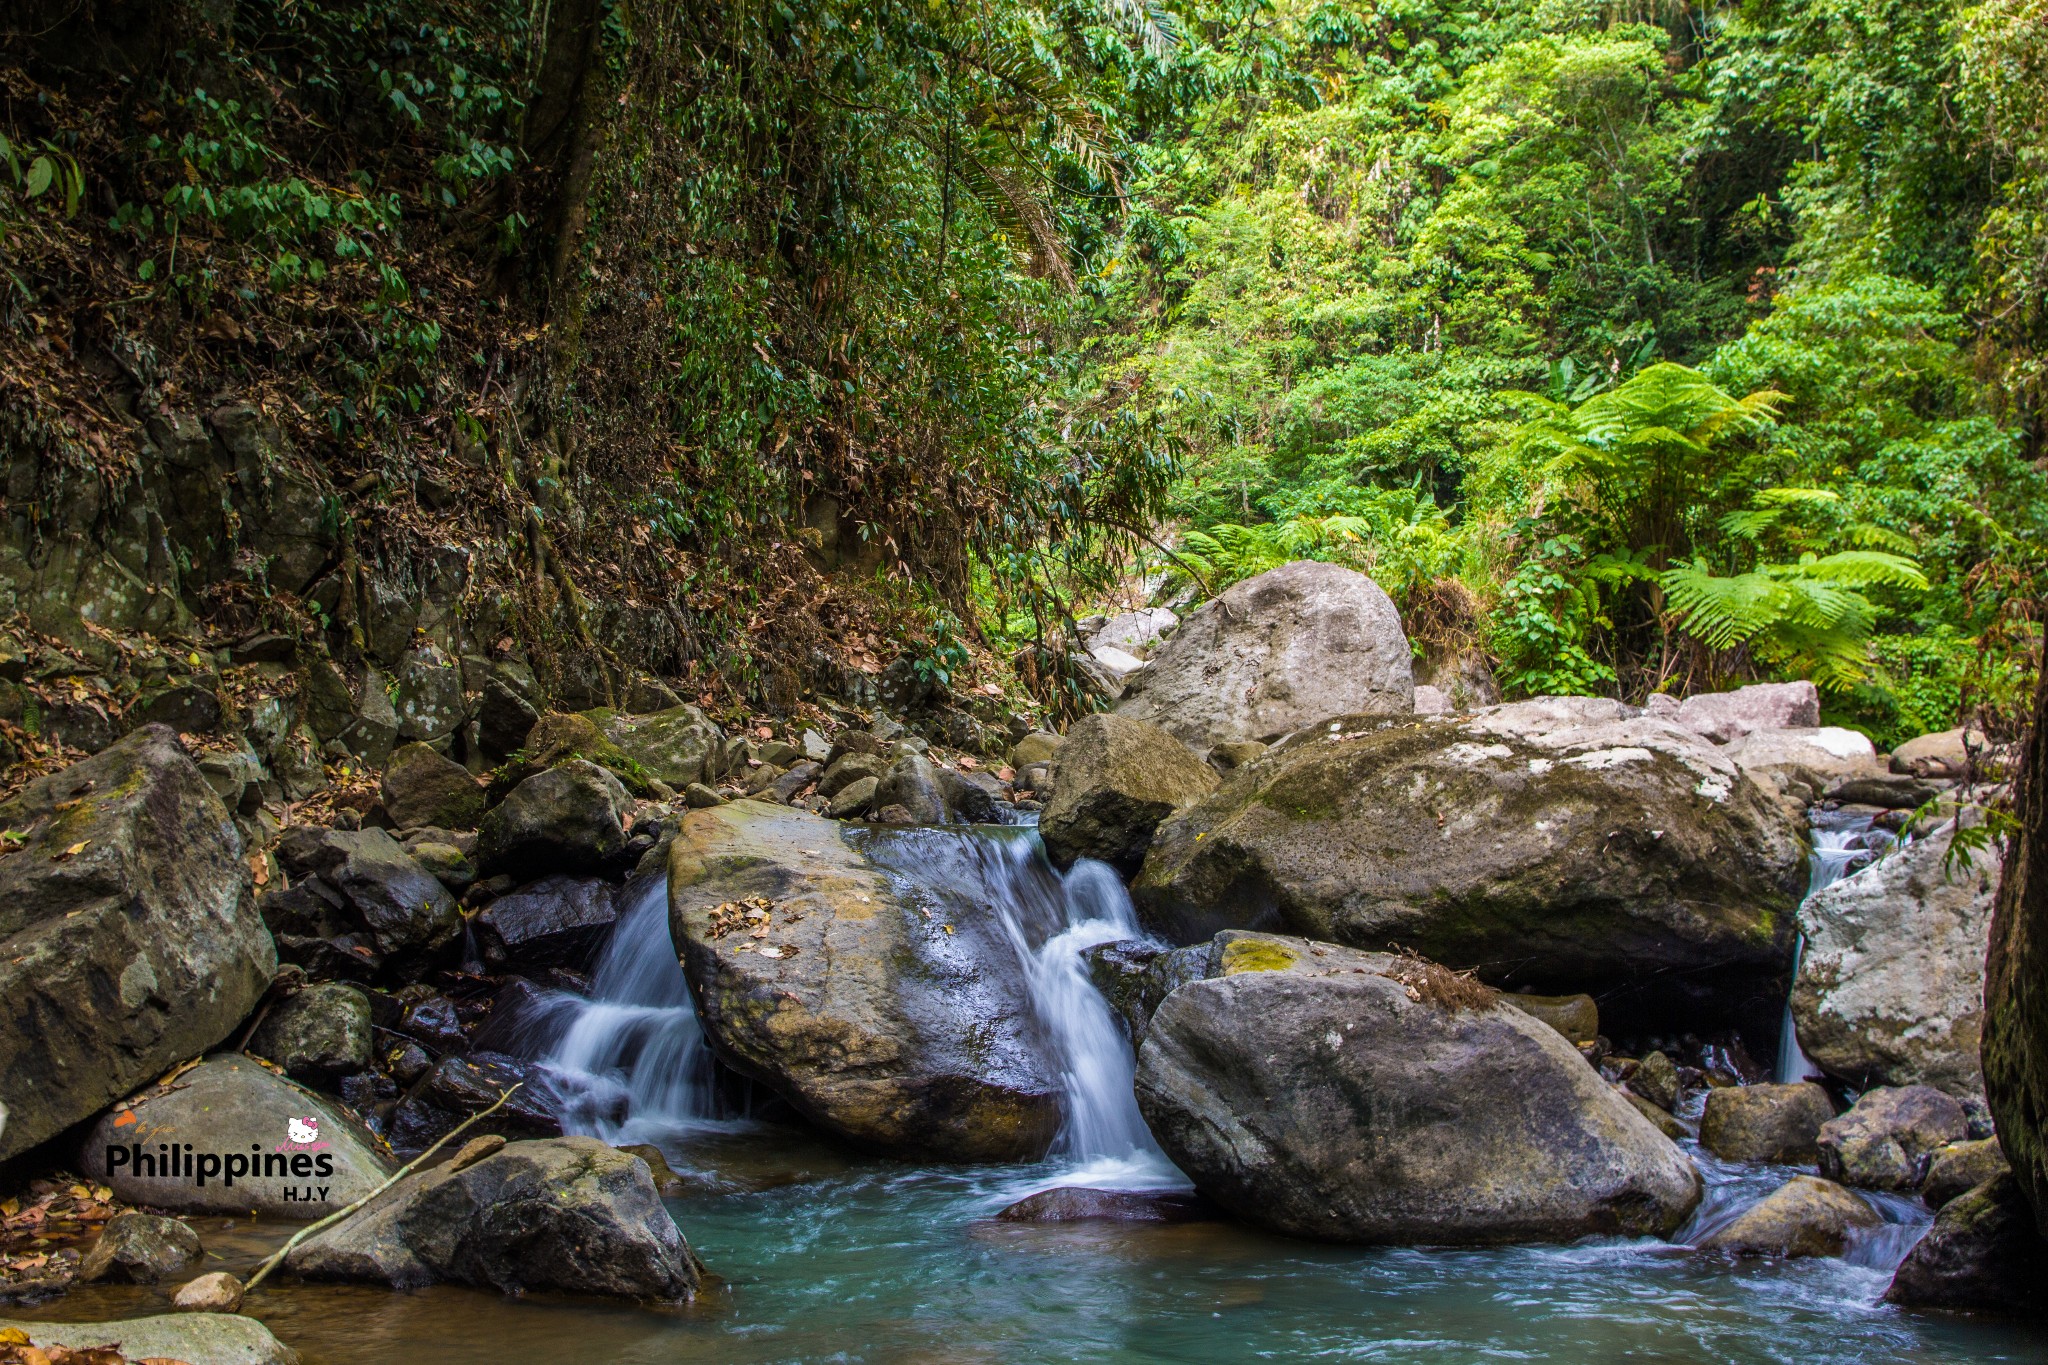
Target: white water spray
1837, 852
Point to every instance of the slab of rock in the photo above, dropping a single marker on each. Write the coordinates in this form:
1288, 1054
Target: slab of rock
1079, 1204
1961, 1167
1363, 1097
193, 1338
129, 940
1800, 765
1276, 653
871, 1019
1727, 716
569, 819
422, 787
140, 1248
313, 1159
1890, 989
1888, 1136
677, 746
1776, 1123
554, 922
563, 1215
1555, 844
1115, 779
1806, 1216
1983, 1254
319, 1034
1944, 754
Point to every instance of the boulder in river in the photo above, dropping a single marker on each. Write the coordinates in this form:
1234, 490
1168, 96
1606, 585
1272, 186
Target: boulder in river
1890, 989
1286, 649
1366, 1097
897, 1022
1080, 1204
1115, 779
140, 1248
1555, 844
128, 937
188, 1338
554, 922
1885, 1140
568, 819
1777, 1123
228, 1137
1806, 1216
1983, 1254
563, 1215
458, 1087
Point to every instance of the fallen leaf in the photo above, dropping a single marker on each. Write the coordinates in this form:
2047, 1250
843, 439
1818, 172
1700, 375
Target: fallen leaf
71, 852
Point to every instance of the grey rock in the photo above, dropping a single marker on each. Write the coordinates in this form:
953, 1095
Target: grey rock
322, 1033
848, 769
1776, 1123
913, 783
1982, 1255
429, 699
564, 1215
1361, 1097
1888, 1136
186, 707
193, 1338
1276, 653
1115, 780
1727, 716
421, 787
568, 819
140, 1248
403, 908
1944, 754
554, 922
677, 746
1038, 746
227, 1106
507, 710
129, 940
1960, 1167
853, 799
700, 797
1798, 765
1656, 1080
457, 1087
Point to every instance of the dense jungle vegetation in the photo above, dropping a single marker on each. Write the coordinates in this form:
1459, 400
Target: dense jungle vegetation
1632, 346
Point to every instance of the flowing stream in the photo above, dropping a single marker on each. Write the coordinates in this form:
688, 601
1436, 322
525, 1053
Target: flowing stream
824, 1256
1842, 845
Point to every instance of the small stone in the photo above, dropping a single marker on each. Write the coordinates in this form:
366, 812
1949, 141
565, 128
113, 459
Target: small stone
218, 1292
475, 1150
700, 797
1656, 1080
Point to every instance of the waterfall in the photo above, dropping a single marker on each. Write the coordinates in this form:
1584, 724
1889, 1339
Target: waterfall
1841, 846
631, 1058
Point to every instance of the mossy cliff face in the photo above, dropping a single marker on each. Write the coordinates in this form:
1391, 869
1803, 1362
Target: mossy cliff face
1581, 852
905, 1034
2016, 981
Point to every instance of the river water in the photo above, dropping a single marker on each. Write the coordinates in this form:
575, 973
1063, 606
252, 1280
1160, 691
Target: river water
821, 1256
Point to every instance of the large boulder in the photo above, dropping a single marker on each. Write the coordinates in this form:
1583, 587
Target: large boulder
1364, 1097
562, 1215
1134, 632
1273, 654
1115, 779
421, 787
569, 819
1891, 982
1727, 716
1888, 1137
1801, 765
1983, 1254
189, 1338
129, 940
1806, 1216
1557, 844
2016, 978
246, 1141
894, 1022
677, 746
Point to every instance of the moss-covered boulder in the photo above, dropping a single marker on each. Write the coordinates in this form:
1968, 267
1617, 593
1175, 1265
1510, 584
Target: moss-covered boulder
676, 746
1983, 1254
1806, 1216
564, 737
2016, 980
1557, 845
1366, 1097
815, 973
1114, 780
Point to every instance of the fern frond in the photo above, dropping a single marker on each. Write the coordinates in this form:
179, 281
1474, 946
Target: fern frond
1865, 568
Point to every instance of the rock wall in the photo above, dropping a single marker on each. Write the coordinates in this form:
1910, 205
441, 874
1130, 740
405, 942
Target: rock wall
2016, 980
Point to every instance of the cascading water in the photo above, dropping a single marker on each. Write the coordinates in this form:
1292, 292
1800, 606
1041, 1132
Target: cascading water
1841, 845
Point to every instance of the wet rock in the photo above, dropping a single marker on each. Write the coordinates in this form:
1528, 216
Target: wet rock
1135, 976
667, 1183
1656, 1080
865, 1015
1727, 716
1079, 1204
445, 863
1891, 984
433, 1021
567, 820
421, 787
320, 1034
1555, 844
1959, 1167
140, 1248
554, 922
676, 746
1983, 1254
1945, 754
1805, 1216
458, 1087
1776, 1123
1115, 780
236, 776
194, 1339
1885, 1140
404, 910
314, 1158
218, 1292
566, 1215
1363, 1097
853, 799
1294, 646
913, 783
1577, 1017
130, 938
